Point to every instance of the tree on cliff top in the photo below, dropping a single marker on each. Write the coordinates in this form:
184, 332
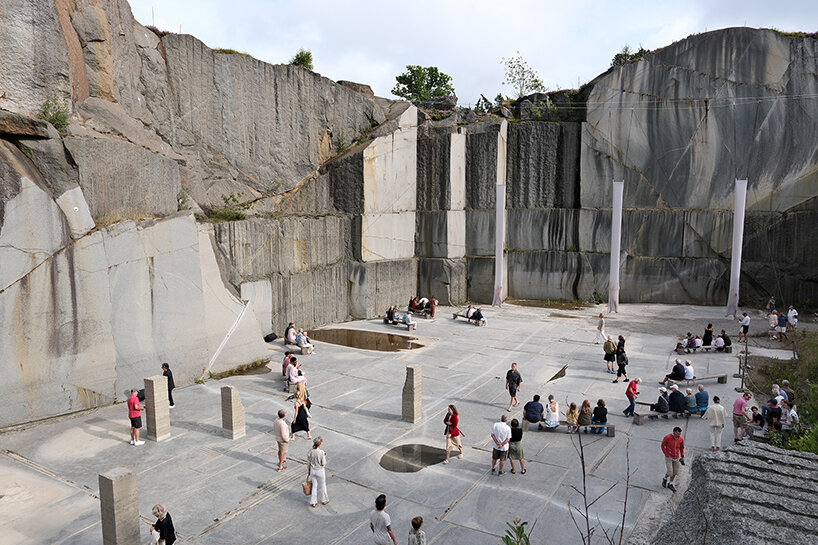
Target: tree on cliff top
420, 83
303, 59
521, 76
626, 56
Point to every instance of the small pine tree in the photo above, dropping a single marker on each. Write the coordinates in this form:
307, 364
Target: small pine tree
303, 59
55, 112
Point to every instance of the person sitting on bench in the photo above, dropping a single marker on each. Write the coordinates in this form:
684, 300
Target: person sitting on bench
469, 311
390, 315
302, 341
552, 414
691, 405
289, 334
423, 303
662, 404
413, 303
726, 337
477, 316
676, 401
294, 372
677, 373
719, 344
689, 342
407, 319
600, 416
532, 413
689, 374
702, 399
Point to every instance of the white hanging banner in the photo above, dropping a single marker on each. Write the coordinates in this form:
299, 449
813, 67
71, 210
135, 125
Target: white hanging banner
738, 240
616, 240
499, 244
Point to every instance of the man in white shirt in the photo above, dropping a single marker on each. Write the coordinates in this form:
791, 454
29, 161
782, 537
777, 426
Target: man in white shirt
500, 435
745, 327
381, 524
689, 374
792, 319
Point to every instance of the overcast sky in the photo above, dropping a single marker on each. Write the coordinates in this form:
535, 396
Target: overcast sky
566, 42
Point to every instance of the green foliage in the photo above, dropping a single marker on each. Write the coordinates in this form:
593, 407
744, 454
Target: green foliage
55, 112
183, 201
231, 52
342, 142
499, 100
420, 83
232, 210
626, 56
521, 76
199, 381
303, 59
515, 534
795, 34
483, 105
802, 438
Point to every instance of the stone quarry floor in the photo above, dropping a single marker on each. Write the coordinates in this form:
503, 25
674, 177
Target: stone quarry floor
220, 491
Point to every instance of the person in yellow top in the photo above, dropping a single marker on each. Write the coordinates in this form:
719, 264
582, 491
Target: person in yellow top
610, 353
571, 416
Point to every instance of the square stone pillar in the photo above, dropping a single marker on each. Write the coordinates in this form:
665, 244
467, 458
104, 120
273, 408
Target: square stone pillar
232, 413
119, 507
157, 410
412, 409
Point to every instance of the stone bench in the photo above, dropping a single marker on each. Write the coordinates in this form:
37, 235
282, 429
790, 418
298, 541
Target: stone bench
481, 322
721, 378
610, 428
639, 418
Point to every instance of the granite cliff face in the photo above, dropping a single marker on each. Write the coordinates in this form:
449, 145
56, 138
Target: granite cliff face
355, 202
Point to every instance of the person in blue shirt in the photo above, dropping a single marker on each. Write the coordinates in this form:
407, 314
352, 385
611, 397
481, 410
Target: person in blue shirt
532, 413
702, 399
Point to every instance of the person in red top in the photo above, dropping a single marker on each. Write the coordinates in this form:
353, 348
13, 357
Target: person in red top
673, 447
452, 433
135, 415
631, 393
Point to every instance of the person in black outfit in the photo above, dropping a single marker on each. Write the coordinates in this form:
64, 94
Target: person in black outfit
662, 404
707, 338
773, 413
621, 360
163, 525
600, 416
168, 373
726, 337
676, 402
677, 373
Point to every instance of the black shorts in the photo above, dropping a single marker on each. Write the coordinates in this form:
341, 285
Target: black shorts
512, 390
745, 329
136, 422
610, 357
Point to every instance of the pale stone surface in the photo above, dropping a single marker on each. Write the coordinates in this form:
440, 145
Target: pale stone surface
75, 208
412, 398
32, 230
390, 170
157, 410
233, 421
260, 294
387, 236
119, 507
455, 234
457, 171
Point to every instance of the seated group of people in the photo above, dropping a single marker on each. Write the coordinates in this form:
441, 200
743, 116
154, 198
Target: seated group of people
291, 369
548, 416
679, 403
423, 304
474, 314
394, 316
692, 342
298, 337
681, 371
778, 413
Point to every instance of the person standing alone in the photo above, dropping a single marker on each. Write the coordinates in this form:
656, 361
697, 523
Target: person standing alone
381, 524
673, 447
715, 415
135, 415
171, 385
513, 382
600, 329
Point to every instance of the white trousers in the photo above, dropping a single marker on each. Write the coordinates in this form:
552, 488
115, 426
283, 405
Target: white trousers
600, 336
319, 480
715, 436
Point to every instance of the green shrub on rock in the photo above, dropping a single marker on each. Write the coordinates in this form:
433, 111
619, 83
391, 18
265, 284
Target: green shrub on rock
55, 112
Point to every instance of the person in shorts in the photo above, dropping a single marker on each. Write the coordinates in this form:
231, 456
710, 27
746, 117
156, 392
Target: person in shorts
513, 382
135, 415
740, 417
501, 435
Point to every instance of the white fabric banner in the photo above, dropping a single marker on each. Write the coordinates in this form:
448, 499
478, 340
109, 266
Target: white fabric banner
616, 241
738, 240
499, 244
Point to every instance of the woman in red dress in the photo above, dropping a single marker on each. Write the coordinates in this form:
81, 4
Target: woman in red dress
452, 433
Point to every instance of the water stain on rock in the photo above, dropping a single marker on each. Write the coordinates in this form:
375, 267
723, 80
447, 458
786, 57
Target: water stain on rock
368, 340
411, 458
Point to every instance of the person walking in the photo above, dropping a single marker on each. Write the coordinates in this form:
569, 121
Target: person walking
163, 525
515, 446
600, 329
168, 373
632, 392
501, 435
301, 420
282, 434
621, 360
452, 433
513, 382
715, 415
610, 353
135, 416
673, 447
416, 535
316, 470
381, 524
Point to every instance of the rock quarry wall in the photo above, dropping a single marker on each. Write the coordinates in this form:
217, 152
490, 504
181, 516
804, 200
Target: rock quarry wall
118, 250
